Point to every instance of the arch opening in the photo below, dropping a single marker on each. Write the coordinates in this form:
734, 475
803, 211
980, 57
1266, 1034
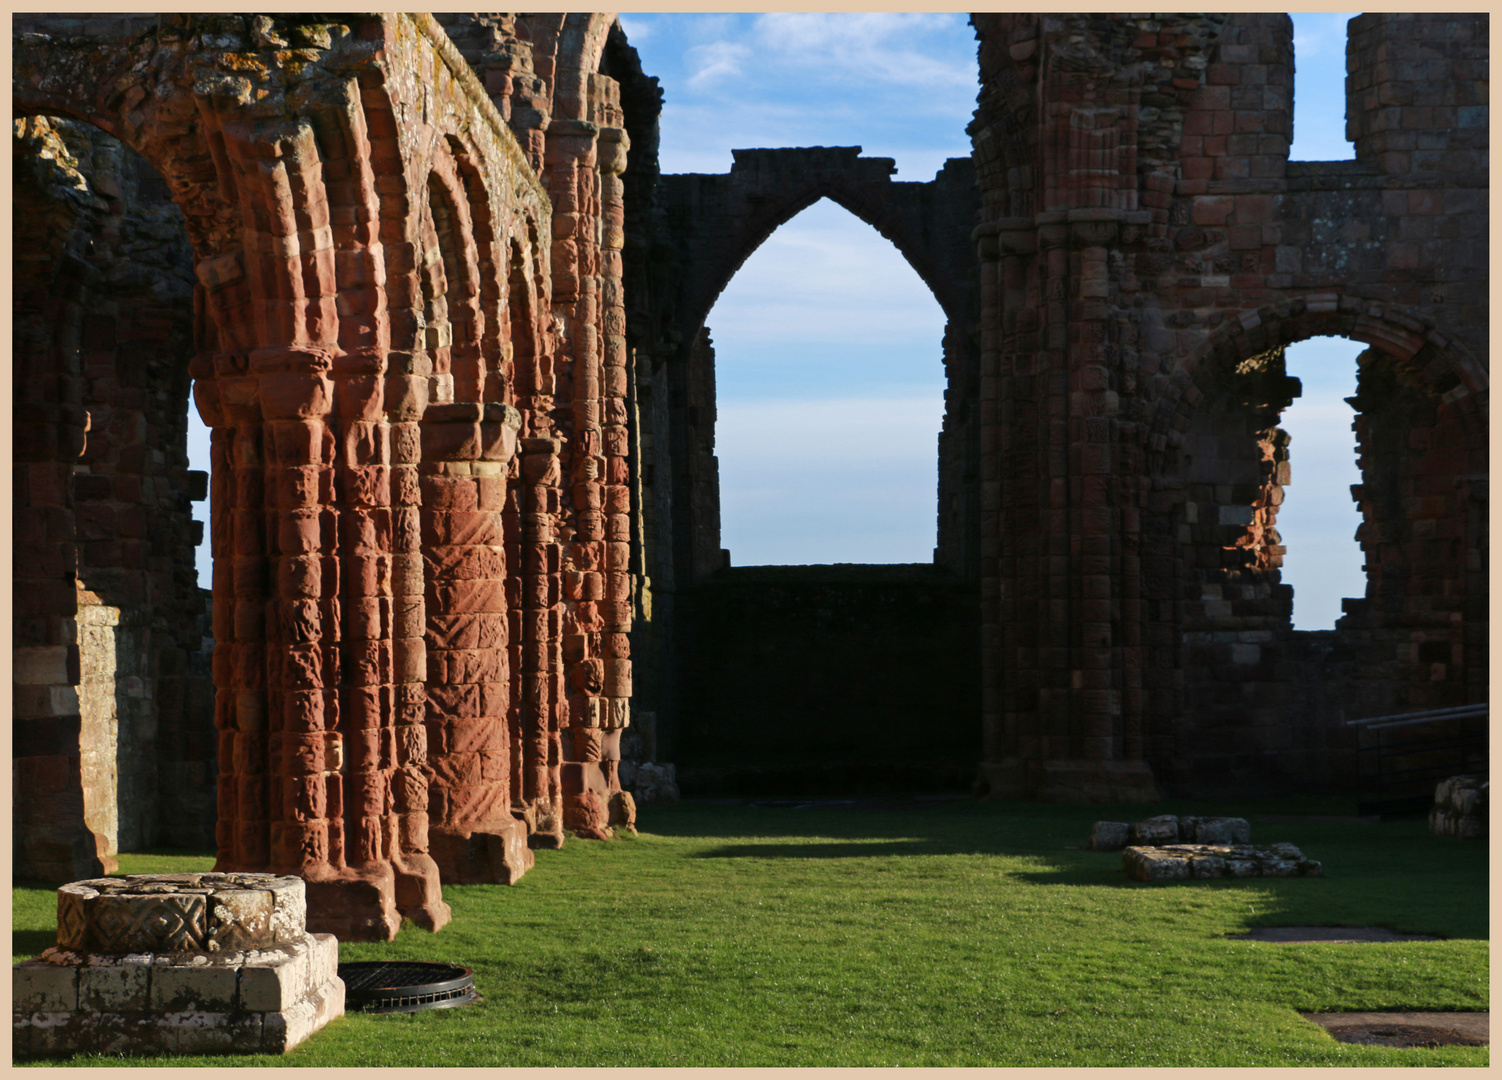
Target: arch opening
829, 394
1319, 87
1317, 519
112, 624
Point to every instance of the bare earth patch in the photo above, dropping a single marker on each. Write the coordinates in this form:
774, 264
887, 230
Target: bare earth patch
1293, 935
1399, 1029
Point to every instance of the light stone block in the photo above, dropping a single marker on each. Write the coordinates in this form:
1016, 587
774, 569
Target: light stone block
284, 1030
37, 986
289, 913
190, 988
323, 961
270, 985
240, 918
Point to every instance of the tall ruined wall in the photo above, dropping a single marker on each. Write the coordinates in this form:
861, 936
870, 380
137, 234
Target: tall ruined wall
1147, 242
701, 229
446, 323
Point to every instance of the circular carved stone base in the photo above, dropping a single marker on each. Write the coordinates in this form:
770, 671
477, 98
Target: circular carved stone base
181, 913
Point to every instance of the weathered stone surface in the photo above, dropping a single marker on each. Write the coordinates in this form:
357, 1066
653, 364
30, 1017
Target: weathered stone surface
38, 986
1133, 321
350, 379
1182, 862
1163, 829
178, 987
114, 732
115, 983
182, 913
463, 436
203, 1000
1460, 808
1168, 829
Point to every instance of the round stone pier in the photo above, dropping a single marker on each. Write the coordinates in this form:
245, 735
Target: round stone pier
178, 964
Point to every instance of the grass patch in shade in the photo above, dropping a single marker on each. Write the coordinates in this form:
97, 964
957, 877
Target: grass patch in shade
932, 934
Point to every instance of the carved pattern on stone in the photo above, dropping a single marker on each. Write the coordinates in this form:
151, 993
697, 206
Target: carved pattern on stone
152, 923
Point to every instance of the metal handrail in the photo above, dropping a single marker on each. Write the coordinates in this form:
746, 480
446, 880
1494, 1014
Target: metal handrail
1431, 716
1378, 782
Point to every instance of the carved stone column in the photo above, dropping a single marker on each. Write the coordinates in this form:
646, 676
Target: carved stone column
467, 450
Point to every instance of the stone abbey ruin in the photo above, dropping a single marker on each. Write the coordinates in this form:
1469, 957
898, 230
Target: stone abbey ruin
423, 280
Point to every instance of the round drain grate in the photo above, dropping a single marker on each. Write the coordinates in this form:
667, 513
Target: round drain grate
387, 986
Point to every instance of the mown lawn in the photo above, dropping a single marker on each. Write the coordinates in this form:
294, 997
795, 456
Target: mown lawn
930, 933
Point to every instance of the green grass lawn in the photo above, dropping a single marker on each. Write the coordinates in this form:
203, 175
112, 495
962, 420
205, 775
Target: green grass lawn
948, 933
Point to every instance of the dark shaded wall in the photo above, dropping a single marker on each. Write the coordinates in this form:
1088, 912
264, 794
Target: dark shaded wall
811, 680
698, 233
1147, 251
113, 705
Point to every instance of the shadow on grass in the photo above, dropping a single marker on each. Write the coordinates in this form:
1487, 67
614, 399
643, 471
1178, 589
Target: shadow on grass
874, 849
1086, 868
31, 942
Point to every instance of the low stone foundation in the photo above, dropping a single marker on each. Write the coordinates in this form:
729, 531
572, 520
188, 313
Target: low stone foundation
1178, 862
178, 964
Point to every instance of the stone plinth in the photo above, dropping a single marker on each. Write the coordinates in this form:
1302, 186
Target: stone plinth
178, 964
1179, 862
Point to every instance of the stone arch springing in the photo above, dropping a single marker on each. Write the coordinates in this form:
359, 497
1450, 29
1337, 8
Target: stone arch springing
443, 270
490, 272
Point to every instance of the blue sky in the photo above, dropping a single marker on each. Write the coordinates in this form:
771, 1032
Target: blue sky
828, 346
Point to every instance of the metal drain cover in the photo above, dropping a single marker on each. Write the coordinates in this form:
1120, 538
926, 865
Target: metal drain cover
390, 986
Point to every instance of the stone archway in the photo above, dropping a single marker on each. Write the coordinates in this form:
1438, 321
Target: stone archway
810, 727
113, 714
317, 360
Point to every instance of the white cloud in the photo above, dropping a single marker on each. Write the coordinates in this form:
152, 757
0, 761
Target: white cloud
715, 62
901, 86
869, 46
843, 431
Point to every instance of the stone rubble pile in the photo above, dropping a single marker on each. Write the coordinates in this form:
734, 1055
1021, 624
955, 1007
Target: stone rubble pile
1176, 862
1170, 847
177, 964
1460, 805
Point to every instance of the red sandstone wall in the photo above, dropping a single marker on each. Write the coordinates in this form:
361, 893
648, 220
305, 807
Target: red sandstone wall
381, 325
